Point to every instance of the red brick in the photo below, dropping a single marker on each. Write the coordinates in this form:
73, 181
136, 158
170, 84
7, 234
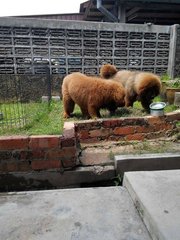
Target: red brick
153, 120
132, 121
143, 129
54, 155
14, 142
173, 116
95, 133
69, 163
99, 132
89, 140
38, 154
3, 167
88, 124
12, 167
68, 142
116, 138
61, 154
136, 136
45, 164
69, 151
83, 134
112, 123
24, 166
44, 141
5, 155
124, 130
163, 126
26, 155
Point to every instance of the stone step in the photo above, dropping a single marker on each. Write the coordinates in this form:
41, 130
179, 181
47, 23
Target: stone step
144, 162
156, 195
88, 213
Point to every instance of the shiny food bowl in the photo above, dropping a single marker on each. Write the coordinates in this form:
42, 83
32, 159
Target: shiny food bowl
157, 108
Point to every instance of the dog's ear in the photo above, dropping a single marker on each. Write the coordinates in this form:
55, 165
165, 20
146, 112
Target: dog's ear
107, 71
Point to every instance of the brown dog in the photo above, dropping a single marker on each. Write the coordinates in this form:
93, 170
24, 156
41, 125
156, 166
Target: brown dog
141, 86
91, 94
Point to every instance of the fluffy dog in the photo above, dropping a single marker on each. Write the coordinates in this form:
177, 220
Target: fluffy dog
91, 94
141, 86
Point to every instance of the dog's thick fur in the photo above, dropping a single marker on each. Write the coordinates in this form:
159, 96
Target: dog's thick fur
91, 94
141, 86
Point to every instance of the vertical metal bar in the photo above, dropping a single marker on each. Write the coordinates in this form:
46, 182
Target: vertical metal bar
48, 83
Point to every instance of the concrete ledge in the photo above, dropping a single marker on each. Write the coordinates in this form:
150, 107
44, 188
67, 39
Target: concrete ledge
156, 197
23, 181
143, 162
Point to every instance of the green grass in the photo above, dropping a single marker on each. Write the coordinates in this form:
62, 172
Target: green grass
42, 118
47, 120
165, 77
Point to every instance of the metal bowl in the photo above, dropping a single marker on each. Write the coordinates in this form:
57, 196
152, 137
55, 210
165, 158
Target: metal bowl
157, 108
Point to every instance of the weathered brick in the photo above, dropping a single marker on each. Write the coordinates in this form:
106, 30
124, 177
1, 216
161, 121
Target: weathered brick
69, 130
136, 136
124, 130
89, 140
111, 123
116, 138
173, 116
143, 129
5, 155
44, 141
12, 166
69, 151
24, 166
3, 167
154, 120
83, 134
69, 163
54, 155
38, 154
163, 126
26, 155
132, 121
99, 132
88, 124
45, 164
14, 142
68, 142
61, 154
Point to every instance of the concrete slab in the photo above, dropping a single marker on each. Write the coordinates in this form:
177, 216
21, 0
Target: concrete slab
144, 162
72, 214
156, 195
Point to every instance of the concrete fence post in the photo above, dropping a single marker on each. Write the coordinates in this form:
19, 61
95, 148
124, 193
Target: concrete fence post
174, 52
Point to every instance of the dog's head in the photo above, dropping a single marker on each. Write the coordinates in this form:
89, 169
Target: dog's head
107, 71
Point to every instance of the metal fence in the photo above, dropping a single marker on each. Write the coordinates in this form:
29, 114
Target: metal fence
12, 110
20, 99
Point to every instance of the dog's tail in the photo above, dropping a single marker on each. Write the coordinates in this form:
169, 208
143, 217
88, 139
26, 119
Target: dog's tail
107, 71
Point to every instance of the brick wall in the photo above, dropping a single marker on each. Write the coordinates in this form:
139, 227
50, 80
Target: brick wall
60, 153
126, 129
35, 153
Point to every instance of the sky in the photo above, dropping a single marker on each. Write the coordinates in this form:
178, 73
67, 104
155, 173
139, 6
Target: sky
37, 7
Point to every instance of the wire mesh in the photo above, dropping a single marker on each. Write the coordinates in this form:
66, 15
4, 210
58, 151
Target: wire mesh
20, 97
12, 110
